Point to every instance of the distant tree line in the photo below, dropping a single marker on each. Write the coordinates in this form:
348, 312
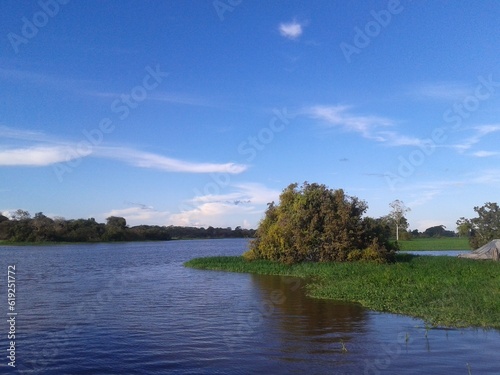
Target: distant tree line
435, 231
21, 227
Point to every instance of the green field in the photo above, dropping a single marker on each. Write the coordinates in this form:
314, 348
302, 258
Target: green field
442, 290
444, 243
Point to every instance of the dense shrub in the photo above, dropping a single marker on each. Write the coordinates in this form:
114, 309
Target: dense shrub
314, 223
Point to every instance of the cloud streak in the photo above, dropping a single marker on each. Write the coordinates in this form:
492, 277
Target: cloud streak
43, 152
481, 131
38, 156
341, 116
154, 161
447, 91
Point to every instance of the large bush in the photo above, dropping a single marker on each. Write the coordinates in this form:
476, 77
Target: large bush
314, 223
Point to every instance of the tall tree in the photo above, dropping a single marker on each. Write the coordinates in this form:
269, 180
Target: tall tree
398, 214
485, 227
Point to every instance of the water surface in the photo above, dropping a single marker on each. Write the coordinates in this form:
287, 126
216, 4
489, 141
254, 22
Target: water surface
134, 309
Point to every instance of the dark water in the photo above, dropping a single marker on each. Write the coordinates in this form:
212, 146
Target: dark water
134, 309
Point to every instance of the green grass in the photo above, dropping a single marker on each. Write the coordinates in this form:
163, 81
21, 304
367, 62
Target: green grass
443, 291
444, 243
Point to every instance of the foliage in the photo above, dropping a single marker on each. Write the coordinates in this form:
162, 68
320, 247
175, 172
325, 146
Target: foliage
445, 291
485, 227
22, 228
314, 223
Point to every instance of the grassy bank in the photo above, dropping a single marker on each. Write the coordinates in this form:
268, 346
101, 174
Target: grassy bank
444, 291
445, 243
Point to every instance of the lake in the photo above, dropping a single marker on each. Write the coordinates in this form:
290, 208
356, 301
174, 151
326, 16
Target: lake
132, 308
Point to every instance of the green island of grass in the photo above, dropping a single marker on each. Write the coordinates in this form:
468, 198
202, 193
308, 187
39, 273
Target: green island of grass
441, 290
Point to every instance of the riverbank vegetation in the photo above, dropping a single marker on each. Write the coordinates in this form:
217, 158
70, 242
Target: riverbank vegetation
24, 229
441, 290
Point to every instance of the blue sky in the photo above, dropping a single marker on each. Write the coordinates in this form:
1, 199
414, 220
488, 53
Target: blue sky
201, 112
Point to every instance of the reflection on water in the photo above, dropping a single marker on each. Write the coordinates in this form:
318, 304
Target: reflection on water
301, 316
134, 309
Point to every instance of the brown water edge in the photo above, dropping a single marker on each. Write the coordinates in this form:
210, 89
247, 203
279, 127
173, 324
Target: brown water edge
355, 340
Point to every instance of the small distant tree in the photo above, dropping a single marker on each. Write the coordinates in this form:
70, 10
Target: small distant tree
398, 214
485, 227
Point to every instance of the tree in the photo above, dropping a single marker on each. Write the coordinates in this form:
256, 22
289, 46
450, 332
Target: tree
464, 227
438, 231
314, 223
485, 227
115, 228
21, 215
43, 227
398, 214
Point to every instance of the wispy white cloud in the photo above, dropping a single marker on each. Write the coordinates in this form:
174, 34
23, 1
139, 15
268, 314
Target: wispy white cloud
42, 151
479, 132
448, 91
423, 197
485, 154
291, 30
485, 177
341, 116
158, 96
395, 139
143, 159
23, 135
38, 156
